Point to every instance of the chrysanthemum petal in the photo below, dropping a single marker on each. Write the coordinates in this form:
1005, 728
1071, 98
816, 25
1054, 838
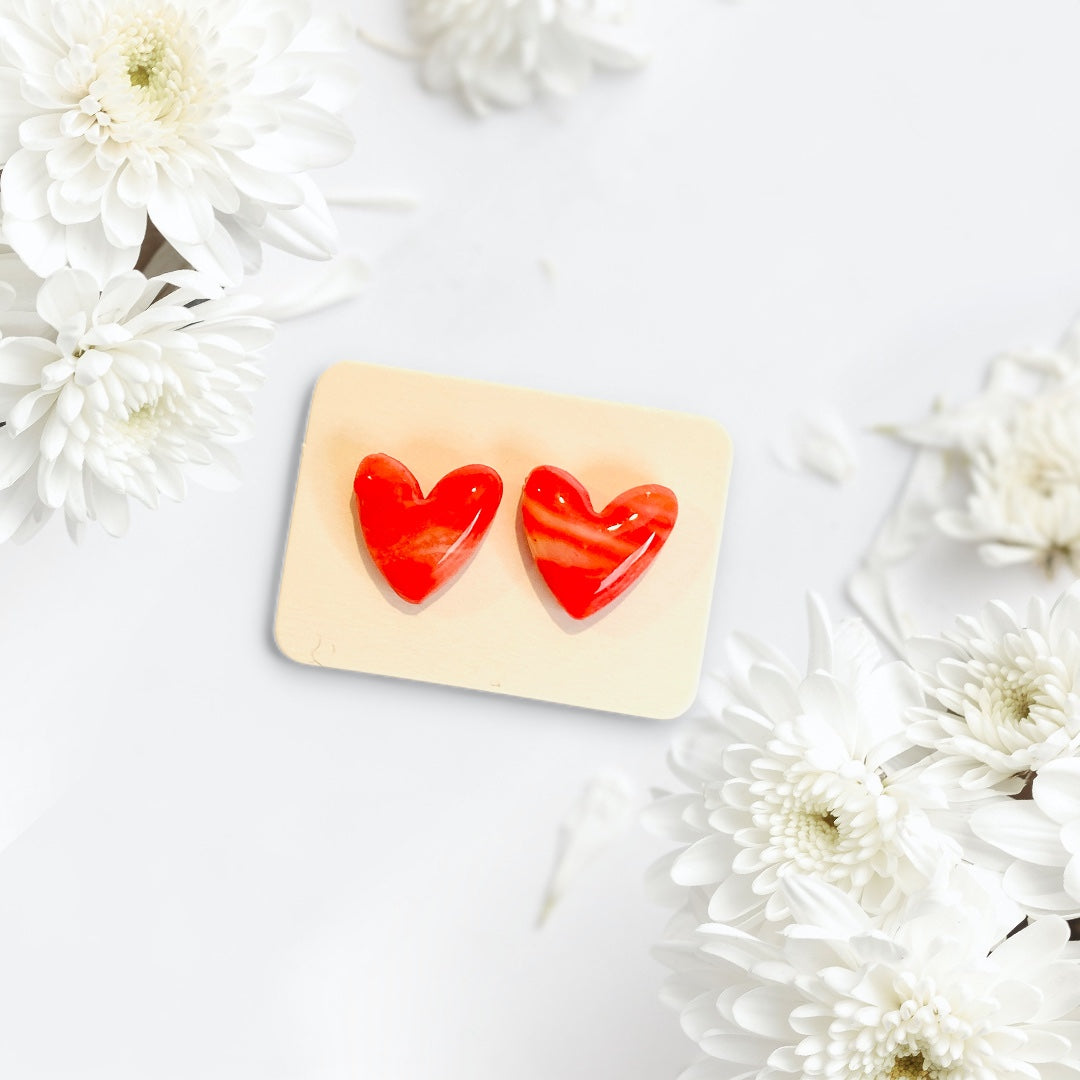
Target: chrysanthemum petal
65, 296
1020, 829
23, 358
12, 111
307, 137
24, 184
124, 225
1058, 788
218, 257
88, 249
817, 904
41, 242
306, 230
733, 898
1039, 888
17, 455
110, 507
185, 220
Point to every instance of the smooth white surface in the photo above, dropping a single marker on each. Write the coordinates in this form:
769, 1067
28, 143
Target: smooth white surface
220, 864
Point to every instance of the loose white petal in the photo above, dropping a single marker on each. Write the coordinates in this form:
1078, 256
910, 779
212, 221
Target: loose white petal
819, 443
344, 280
371, 200
602, 813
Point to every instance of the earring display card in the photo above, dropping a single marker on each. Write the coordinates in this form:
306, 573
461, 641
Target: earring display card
496, 626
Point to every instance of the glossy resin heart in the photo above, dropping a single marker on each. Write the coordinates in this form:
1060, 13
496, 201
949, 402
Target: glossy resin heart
417, 543
589, 559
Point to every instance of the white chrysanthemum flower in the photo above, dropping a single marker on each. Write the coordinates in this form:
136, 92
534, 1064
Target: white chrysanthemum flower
501, 52
1001, 471
1007, 697
1018, 447
202, 115
117, 392
793, 776
1024, 504
937, 996
1042, 838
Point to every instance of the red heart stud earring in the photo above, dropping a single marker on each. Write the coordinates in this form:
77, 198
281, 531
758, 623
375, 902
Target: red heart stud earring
588, 559
419, 544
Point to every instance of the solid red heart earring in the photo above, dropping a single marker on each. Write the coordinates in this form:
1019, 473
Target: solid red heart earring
588, 559
419, 544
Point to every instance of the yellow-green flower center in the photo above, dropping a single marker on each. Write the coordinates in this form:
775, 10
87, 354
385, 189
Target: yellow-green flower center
151, 70
143, 425
145, 63
911, 1067
152, 64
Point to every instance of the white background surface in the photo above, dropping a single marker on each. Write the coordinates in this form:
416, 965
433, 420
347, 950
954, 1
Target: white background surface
219, 864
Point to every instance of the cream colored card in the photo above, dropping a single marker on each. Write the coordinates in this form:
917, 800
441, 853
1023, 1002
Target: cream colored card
496, 627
